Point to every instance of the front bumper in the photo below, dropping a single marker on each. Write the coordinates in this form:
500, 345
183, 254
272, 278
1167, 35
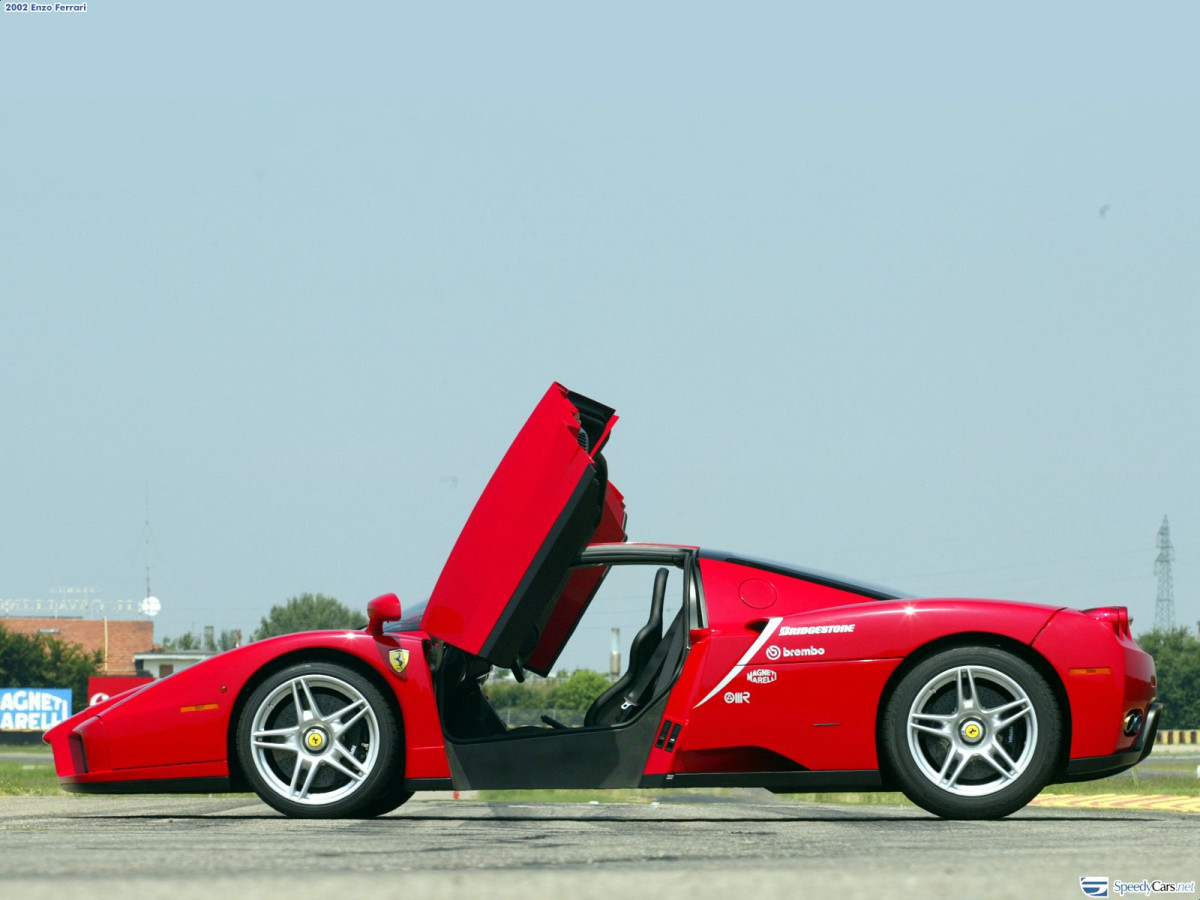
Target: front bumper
1092, 767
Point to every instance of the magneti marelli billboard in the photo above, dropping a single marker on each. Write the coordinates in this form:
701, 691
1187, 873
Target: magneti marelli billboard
33, 709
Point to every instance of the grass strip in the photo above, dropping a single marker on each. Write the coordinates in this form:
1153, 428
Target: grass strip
28, 779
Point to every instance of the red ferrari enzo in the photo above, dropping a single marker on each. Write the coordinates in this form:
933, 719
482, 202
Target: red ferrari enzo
746, 673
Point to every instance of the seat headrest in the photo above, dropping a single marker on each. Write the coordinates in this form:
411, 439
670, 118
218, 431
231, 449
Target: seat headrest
660, 593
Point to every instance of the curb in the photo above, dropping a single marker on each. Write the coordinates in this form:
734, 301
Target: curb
1173, 736
1159, 802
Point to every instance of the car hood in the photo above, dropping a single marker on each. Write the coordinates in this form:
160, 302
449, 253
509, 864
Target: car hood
548, 498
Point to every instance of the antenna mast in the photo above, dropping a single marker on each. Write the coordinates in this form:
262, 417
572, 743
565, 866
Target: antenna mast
150, 605
1164, 606
147, 536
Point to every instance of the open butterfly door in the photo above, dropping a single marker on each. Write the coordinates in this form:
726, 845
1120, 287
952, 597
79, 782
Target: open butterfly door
498, 596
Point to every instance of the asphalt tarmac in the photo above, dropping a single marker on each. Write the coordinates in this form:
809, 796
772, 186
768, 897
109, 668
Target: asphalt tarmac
751, 845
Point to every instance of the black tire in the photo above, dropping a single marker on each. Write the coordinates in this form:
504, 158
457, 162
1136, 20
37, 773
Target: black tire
972, 733
389, 797
328, 744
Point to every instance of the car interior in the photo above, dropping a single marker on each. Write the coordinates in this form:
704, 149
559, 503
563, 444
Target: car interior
654, 659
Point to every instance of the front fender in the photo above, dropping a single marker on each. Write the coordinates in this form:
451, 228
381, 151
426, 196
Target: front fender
179, 726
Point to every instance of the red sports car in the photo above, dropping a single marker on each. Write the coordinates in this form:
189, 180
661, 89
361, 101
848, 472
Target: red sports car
746, 673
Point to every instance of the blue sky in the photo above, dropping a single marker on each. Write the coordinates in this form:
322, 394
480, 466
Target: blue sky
904, 293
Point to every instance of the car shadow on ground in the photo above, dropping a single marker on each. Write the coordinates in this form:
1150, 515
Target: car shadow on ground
382, 821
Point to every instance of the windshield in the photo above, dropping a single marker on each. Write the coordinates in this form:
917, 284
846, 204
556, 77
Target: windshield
411, 620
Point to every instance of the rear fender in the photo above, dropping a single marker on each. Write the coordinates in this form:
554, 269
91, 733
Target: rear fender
982, 639
1104, 672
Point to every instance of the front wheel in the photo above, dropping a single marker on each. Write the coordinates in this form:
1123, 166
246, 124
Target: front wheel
972, 733
318, 740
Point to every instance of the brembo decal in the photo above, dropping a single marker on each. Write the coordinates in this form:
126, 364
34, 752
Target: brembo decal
772, 625
774, 652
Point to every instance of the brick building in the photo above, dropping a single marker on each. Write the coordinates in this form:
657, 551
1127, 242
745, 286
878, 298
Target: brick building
118, 639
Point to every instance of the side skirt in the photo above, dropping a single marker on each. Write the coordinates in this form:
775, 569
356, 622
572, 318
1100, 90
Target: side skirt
428, 784
776, 782
608, 757
152, 786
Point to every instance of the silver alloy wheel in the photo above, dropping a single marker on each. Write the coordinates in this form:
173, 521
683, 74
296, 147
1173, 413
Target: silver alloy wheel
314, 739
972, 730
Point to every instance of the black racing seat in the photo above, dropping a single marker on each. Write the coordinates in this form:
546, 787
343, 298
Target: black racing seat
606, 709
662, 669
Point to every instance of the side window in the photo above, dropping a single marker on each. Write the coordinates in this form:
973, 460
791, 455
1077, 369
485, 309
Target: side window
623, 603
608, 654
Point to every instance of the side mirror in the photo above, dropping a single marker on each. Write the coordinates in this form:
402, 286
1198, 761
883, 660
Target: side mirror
384, 608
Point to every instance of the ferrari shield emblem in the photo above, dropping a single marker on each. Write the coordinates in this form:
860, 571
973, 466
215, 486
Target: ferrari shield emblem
399, 660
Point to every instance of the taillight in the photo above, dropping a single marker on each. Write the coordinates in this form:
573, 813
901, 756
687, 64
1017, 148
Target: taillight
1117, 616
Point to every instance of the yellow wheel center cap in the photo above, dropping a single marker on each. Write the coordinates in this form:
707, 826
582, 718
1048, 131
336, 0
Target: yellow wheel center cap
972, 731
315, 740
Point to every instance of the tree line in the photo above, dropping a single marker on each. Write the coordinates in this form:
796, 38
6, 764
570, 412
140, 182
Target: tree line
42, 661
567, 692
1176, 655
306, 612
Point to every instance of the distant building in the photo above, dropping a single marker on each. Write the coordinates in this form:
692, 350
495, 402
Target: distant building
119, 640
161, 663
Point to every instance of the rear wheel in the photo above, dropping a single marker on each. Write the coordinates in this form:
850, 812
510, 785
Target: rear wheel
972, 733
318, 740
